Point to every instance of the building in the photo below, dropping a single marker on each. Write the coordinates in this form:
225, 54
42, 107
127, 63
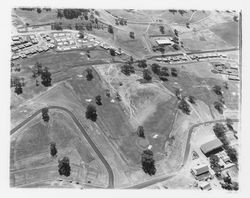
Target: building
163, 41
204, 185
211, 147
199, 169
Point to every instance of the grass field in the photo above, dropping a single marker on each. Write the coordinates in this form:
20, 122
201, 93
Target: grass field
33, 18
229, 32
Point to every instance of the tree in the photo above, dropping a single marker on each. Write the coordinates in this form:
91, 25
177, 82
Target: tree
156, 68
173, 72
98, 100
131, 60
175, 46
229, 124
53, 150
140, 131
142, 63
45, 114
217, 90
127, 69
64, 167
91, 113
184, 107
176, 32
214, 160
219, 107
232, 154
46, 77
110, 29
18, 87
219, 130
89, 75
39, 10
191, 99
132, 35
147, 75
187, 25
38, 68
162, 29
112, 52
148, 164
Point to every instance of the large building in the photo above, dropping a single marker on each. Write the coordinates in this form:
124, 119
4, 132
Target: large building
163, 41
211, 147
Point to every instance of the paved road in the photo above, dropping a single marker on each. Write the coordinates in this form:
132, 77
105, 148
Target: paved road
92, 144
187, 150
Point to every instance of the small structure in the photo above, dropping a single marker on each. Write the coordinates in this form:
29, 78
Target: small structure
204, 185
200, 169
211, 147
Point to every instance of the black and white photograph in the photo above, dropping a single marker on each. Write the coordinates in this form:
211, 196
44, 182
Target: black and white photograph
125, 98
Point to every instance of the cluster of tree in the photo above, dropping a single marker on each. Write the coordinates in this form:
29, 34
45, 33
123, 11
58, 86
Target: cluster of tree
132, 35
46, 77
228, 184
64, 167
53, 150
18, 83
148, 163
91, 113
28, 9
140, 132
214, 163
89, 75
112, 52
184, 107
142, 63
39, 10
98, 100
127, 69
45, 114
175, 39
182, 12
161, 72
162, 30
110, 29
147, 75
121, 21
173, 11
89, 27
71, 13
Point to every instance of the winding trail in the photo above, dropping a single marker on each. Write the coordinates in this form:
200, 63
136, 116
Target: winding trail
92, 144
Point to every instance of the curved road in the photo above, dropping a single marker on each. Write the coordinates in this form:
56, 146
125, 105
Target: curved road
92, 144
163, 178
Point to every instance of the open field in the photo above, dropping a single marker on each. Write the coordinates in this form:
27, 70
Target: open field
229, 32
30, 150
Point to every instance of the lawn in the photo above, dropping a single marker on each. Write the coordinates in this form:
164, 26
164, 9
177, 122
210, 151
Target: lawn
229, 32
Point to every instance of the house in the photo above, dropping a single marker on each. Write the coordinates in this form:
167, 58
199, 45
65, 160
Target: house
235, 78
211, 147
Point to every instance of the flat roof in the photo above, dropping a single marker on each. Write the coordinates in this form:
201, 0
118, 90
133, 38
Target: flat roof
211, 145
163, 41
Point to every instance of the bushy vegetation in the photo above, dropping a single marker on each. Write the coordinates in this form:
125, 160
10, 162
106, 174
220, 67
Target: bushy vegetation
91, 113
184, 107
89, 75
64, 167
45, 114
147, 75
140, 131
127, 69
148, 163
